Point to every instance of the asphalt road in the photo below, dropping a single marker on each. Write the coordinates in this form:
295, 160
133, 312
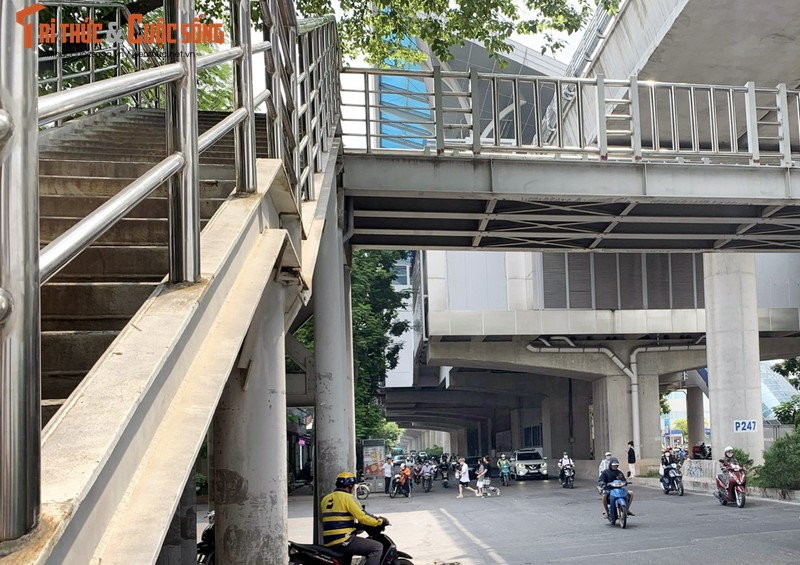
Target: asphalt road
539, 522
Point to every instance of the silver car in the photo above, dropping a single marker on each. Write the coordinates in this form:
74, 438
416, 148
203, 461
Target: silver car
528, 464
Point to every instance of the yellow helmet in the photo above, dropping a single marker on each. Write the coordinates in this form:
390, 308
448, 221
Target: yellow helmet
345, 479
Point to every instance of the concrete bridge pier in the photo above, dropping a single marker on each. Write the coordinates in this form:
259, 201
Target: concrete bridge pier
649, 418
612, 414
734, 387
694, 415
335, 410
250, 473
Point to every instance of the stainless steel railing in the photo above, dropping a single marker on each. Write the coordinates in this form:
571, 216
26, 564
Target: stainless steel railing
301, 66
633, 120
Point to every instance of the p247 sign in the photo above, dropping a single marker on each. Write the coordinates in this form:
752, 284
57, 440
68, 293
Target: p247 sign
744, 426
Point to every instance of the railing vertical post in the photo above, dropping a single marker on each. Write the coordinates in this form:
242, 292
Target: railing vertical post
751, 116
367, 111
181, 120
20, 367
786, 140
602, 138
92, 63
475, 103
118, 46
636, 119
59, 51
438, 108
245, 137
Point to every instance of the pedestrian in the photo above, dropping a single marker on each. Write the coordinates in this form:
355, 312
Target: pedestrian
462, 474
631, 460
387, 474
604, 463
484, 480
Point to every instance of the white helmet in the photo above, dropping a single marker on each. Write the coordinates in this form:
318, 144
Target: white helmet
729, 448
503, 456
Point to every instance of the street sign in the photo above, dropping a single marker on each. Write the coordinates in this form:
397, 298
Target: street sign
744, 426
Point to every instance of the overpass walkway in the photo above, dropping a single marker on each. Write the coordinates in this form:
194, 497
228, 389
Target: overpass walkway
104, 480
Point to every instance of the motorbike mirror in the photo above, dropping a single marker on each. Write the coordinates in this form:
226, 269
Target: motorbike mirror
364, 507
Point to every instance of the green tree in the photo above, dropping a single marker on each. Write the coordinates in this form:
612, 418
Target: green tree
664, 403
789, 412
380, 30
781, 468
375, 326
790, 368
681, 424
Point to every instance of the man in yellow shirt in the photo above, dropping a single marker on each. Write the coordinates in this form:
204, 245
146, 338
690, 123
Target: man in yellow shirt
340, 511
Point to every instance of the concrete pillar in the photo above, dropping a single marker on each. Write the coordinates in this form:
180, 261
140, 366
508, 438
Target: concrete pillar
649, 419
581, 446
180, 543
250, 443
734, 383
695, 416
516, 428
612, 414
335, 413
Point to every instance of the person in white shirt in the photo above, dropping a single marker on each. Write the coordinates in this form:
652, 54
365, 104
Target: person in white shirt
604, 463
387, 474
463, 478
563, 462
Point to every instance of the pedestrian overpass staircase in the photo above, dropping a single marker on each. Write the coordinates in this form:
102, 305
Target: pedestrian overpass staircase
81, 165
133, 363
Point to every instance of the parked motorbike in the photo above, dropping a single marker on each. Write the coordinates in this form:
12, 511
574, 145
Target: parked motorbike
301, 554
734, 490
672, 481
205, 547
569, 477
617, 503
362, 490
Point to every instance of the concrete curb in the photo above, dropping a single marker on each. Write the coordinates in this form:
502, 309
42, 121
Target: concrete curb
706, 486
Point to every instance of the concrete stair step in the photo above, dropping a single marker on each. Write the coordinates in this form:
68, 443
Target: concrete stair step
128, 231
107, 186
83, 306
115, 168
70, 353
79, 206
118, 263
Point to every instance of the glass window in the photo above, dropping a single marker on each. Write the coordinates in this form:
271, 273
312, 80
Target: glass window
400, 273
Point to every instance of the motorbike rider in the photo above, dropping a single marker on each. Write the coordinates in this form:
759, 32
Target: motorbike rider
728, 460
608, 476
427, 469
504, 465
563, 462
604, 463
340, 511
667, 459
405, 479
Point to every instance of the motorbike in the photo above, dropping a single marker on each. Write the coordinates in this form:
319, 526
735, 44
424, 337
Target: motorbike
427, 482
362, 490
417, 473
397, 487
617, 503
672, 481
569, 477
301, 554
734, 490
443, 469
205, 547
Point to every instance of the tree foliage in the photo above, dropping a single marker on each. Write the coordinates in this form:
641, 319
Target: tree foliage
781, 468
664, 403
380, 30
789, 412
790, 368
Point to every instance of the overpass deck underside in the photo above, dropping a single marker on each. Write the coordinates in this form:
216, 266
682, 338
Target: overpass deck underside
502, 202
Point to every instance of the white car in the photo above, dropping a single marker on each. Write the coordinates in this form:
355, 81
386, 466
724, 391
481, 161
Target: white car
528, 464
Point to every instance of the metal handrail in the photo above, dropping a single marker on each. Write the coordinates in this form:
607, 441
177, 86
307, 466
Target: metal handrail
604, 119
59, 252
68, 102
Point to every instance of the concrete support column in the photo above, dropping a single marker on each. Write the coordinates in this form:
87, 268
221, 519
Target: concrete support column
180, 543
695, 416
649, 419
516, 428
335, 412
250, 448
581, 447
734, 383
612, 414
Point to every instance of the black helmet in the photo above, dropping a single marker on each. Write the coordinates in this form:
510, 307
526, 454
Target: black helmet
613, 461
345, 480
